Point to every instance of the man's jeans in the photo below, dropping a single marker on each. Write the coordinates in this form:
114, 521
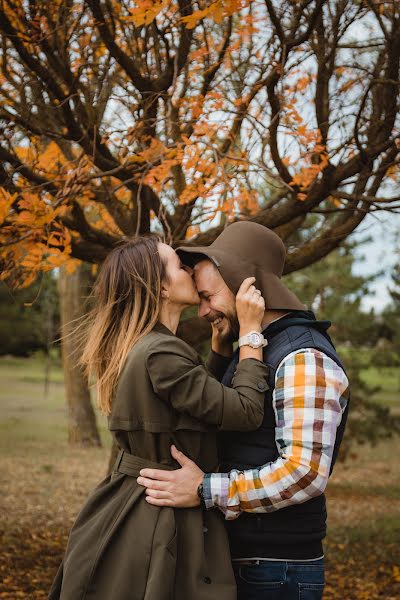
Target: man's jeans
280, 580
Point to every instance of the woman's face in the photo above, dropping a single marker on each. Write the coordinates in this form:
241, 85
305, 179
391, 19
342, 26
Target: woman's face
180, 285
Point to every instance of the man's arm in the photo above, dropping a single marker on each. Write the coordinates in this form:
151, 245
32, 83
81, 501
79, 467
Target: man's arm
309, 399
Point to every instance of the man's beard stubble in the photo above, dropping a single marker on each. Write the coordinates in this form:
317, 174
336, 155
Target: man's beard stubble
234, 327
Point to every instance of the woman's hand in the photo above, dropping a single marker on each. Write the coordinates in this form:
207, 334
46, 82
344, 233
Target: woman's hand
250, 306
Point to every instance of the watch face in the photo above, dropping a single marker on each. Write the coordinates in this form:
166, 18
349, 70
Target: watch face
255, 338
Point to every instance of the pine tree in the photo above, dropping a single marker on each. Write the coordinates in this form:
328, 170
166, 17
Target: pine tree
335, 293
29, 318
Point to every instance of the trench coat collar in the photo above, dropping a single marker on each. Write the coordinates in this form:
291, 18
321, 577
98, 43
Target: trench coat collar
163, 329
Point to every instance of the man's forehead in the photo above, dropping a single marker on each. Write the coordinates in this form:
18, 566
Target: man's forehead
205, 268
206, 275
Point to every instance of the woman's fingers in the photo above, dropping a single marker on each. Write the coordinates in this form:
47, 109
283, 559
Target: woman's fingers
248, 289
250, 304
246, 285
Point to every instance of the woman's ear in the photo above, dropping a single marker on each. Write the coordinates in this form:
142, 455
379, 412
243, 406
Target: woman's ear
164, 292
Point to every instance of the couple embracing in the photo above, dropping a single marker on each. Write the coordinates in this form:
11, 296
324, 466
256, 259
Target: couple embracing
218, 488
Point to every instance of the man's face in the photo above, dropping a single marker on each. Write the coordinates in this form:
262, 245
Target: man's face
216, 299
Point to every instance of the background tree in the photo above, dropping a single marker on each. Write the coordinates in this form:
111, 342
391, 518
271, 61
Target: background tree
389, 347
335, 293
117, 117
29, 319
120, 116
74, 289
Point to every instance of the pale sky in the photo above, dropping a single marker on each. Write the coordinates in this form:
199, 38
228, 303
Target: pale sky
379, 254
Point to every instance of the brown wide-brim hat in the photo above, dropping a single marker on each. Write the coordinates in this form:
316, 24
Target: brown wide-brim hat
247, 249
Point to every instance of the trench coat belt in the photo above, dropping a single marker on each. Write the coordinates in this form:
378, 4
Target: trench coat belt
129, 464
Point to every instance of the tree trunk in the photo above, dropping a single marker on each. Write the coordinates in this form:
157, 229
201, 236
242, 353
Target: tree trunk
82, 427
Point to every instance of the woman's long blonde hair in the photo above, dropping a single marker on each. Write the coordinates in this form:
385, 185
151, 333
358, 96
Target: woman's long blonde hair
127, 298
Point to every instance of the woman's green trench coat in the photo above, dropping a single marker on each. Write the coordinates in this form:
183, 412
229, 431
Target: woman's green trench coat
122, 548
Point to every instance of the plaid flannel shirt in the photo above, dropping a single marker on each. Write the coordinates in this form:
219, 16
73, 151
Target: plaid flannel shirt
309, 399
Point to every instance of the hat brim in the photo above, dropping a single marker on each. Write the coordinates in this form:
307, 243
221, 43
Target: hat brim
234, 270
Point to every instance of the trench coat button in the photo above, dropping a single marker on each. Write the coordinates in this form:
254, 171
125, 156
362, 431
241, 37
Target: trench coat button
207, 580
261, 386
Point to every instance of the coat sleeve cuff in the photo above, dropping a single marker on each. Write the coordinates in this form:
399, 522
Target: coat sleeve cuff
251, 373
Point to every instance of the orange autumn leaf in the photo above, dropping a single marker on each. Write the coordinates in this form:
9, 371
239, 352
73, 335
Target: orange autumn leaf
192, 231
146, 11
335, 201
192, 20
302, 83
217, 10
393, 172
6, 201
348, 85
247, 200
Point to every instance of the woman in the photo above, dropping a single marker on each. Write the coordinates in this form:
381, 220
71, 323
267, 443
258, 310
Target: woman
156, 392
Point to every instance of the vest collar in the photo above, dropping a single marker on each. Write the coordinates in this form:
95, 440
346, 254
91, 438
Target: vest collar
297, 317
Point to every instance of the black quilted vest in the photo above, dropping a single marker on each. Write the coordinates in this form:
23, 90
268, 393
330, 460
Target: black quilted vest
294, 532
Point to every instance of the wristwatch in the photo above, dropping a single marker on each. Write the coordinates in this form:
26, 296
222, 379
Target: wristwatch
254, 339
200, 494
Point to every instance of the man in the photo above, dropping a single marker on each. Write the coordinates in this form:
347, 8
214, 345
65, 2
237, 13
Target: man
273, 479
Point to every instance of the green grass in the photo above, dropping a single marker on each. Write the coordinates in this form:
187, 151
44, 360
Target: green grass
388, 379
41, 472
343, 489
386, 530
30, 418
30, 369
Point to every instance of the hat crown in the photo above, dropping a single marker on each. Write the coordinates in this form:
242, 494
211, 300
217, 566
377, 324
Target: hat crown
254, 244
247, 249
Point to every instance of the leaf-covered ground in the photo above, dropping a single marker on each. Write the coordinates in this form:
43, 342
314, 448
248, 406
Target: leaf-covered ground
43, 483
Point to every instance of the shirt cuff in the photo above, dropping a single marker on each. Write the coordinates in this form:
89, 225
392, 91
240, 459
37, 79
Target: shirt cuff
215, 490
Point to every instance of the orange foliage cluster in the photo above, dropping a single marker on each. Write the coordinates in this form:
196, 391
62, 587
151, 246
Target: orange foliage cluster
155, 106
217, 10
33, 234
41, 243
313, 155
33, 237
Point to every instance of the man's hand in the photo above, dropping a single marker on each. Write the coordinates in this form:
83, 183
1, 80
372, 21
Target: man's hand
173, 488
220, 342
